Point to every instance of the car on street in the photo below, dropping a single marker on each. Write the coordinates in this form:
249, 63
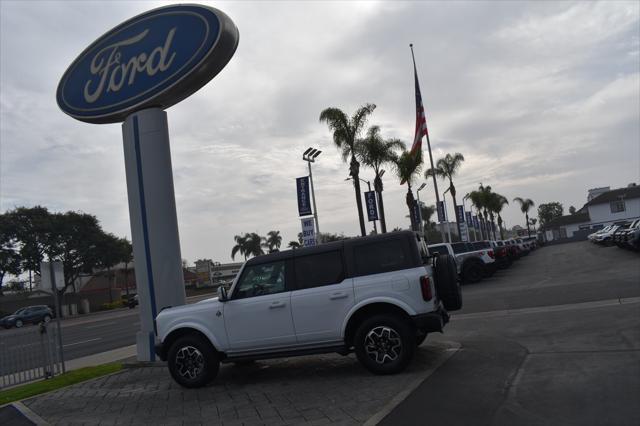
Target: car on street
378, 296
27, 315
605, 237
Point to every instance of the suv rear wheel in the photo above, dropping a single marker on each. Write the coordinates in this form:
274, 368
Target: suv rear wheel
385, 344
192, 361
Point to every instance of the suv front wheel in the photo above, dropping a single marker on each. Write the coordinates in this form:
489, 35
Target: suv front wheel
192, 361
385, 344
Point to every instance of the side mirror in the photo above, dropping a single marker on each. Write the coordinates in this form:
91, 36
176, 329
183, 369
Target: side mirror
222, 294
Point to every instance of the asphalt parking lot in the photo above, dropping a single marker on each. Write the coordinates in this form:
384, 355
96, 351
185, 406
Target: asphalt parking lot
555, 339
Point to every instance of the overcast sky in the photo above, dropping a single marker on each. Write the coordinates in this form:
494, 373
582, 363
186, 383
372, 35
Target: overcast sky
542, 98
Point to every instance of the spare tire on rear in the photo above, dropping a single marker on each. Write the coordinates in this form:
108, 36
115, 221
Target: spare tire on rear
447, 285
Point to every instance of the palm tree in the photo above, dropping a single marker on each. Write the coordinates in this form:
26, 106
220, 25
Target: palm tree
533, 222
407, 167
345, 133
525, 205
274, 240
241, 246
447, 168
254, 244
476, 200
294, 245
374, 151
427, 212
496, 204
481, 199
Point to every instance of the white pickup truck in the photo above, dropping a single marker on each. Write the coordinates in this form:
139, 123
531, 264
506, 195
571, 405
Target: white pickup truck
472, 264
378, 296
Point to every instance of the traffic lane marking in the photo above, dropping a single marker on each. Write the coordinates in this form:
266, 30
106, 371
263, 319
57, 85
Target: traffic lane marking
81, 342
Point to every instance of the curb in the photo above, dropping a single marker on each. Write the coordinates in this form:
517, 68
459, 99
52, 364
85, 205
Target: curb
30, 415
451, 349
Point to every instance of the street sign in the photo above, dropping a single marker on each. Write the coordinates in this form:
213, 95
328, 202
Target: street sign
304, 201
155, 59
372, 207
441, 216
46, 283
308, 232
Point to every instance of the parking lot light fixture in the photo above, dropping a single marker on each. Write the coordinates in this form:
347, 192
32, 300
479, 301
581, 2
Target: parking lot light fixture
310, 156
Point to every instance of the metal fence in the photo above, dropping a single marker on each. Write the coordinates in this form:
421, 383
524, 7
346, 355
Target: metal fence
29, 354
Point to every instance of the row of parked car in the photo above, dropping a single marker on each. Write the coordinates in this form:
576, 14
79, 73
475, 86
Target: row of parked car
481, 259
624, 235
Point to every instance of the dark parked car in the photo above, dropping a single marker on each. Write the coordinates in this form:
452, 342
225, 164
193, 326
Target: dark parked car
29, 314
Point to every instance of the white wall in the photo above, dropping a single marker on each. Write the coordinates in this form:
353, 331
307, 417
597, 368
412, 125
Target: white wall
601, 213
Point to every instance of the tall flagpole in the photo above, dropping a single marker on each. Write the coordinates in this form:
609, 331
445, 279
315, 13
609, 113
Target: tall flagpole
435, 183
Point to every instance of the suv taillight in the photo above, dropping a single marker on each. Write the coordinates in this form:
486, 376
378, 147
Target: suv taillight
425, 286
490, 253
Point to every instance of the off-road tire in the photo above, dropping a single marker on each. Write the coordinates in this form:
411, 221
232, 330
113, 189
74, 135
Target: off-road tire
472, 272
192, 361
397, 340
447, 285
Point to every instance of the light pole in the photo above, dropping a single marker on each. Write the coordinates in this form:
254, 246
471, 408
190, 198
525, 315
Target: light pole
375, 228
310, 156
446, 214
420, 207
464, 208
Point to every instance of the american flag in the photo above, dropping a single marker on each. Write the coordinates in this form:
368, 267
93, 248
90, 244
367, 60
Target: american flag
421, 120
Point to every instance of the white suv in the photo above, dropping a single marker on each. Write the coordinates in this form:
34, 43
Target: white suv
378, 296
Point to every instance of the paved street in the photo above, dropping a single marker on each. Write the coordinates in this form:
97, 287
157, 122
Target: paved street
553, 340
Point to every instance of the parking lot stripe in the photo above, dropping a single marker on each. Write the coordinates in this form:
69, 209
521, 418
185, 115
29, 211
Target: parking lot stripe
552, 308
83, 341
452, 348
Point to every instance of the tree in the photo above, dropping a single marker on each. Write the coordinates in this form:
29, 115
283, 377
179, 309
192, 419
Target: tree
374, 151
572, 210
427, 212
407, 167
9, 250
32, 228
481, 199
274, 240
525, 206
447, 168
241, 246
112, 250
345, 134
496, 204
294, 245
533, 221
254, 244
549, 211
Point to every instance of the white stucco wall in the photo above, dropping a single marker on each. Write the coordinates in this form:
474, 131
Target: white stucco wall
601, 213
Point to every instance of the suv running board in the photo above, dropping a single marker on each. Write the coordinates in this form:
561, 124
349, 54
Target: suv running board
340, 349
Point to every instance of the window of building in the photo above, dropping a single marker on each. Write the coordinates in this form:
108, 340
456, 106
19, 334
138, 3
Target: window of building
317, 270
617, 206
382, 256
260, 280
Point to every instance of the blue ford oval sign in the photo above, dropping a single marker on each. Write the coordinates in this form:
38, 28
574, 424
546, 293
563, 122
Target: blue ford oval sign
153, 60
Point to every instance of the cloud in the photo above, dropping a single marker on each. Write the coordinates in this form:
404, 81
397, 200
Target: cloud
543, 99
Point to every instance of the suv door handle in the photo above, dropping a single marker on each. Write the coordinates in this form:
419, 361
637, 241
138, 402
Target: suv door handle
338, 295
276, 305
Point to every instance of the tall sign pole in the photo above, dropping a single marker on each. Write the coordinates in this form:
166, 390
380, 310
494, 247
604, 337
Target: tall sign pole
132, 74
435, 183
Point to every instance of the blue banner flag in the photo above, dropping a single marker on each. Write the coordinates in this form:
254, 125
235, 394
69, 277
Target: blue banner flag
476, 223
304, 201
460, 214
469, 221
441, 211
372, 206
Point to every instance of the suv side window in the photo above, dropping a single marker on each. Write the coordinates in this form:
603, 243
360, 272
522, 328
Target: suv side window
260, 280
316, 270
381, 256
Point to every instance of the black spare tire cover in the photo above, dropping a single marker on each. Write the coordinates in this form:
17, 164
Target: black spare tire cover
447, 286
